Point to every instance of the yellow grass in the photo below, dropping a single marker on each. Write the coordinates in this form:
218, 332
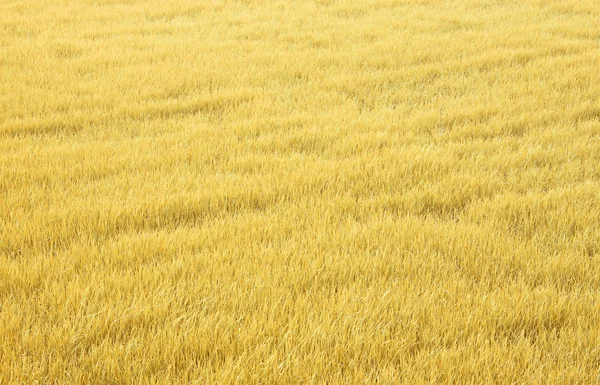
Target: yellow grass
299, 192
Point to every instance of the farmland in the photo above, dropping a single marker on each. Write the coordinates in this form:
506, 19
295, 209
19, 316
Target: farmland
299, 192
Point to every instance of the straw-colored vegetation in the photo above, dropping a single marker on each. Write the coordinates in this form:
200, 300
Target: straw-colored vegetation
299, 192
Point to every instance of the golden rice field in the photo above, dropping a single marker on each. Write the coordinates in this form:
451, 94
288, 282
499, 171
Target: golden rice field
299, 192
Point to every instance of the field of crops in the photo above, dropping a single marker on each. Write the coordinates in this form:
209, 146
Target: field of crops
299, 192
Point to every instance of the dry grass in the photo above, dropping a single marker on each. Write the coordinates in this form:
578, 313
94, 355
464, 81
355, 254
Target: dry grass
262, 192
